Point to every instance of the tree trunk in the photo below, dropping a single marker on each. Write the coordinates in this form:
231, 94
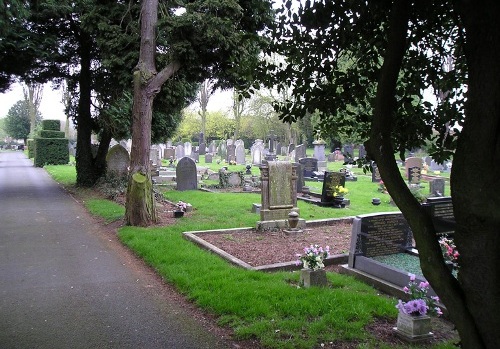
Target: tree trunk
86, 174
380, 148
140, 206
476, 200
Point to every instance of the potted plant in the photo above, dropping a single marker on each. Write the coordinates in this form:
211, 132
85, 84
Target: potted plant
450, 252
312, 273
414, 322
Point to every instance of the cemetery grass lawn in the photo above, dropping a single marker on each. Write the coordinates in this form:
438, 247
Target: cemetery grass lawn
268, 308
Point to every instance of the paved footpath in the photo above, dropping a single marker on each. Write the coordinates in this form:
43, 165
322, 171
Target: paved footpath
62, 284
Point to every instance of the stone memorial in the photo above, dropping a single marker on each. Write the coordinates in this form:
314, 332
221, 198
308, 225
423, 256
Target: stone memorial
240, 154
186, 175
375, 173
413, 163
231, 153
188, 148
441, 211
436, 187
300, 152
208, 158
117, 161
362, 151
169, 153
179, 151
414, 175
319, 149
310, 166
279, 190
331, 180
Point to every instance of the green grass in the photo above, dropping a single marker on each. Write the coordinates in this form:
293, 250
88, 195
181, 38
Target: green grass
258, 305
64, 174
108, 210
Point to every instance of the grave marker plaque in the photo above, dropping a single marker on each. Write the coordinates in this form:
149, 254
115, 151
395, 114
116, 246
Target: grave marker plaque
441, 211
414, 174
331, 180
310, 166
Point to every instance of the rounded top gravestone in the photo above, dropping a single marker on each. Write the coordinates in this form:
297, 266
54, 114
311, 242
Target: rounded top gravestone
117, 160
186, 176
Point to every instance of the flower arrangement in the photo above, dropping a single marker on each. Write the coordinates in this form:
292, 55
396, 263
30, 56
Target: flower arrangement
450, 252
381, 187
339, 190
313, 257
181, 206
420, 303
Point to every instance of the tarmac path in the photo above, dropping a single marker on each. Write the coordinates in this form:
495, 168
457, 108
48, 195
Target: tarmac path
64, 285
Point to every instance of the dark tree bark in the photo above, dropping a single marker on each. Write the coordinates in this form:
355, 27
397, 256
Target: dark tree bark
433, 267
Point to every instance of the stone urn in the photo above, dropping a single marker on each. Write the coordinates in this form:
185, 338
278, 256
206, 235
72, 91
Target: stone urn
309, 277
413, 328
293, 220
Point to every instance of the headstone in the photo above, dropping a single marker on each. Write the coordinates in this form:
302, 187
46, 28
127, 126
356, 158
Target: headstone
240, 154
300, 152
434, 166
300, 178
310, 166
188, 148
348, 151
234, 179
319, 149
291, 148
278, 148
117, 161
436, 187
208, 158
362, 151
375, 173
413, 162
201, 144
414, 175
231, 152
169, 153
186, 175
331, 180
195, 156
441, 212
212, 148
179, 151
154, 157
379, 234
257, 150
279, 190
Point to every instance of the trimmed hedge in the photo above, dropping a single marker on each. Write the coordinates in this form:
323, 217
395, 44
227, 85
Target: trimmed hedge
54, 151
51, 134
31, 148
51, 125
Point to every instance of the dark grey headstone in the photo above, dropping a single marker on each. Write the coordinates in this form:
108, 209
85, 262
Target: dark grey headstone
231, 152
186, 175
310, 166
414, 174
441, 211
169, 153
202, 149
437, 186
208, 158
331, 180
362, 151
380, 234
300, 152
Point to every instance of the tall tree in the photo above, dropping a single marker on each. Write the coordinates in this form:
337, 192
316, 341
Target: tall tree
17, 121
206, 91
399, 48
33, 94
217, 39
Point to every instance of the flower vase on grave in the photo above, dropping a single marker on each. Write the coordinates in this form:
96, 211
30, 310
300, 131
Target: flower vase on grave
413, 328
338, 201
309, 277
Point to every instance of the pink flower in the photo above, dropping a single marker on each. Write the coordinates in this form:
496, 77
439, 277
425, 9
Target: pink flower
412, 277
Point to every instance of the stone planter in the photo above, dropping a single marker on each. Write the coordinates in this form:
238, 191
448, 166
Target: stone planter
309, 277
413, 328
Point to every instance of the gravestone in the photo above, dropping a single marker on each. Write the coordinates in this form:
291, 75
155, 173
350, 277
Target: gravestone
234, 179
257, 150
208, 158
202, 145
186, 175
271, 154
179, 151
291, 147
195, 156
240, 154
414, 175
212, 148
278, 148
117, 161
169, 153
188, 148
300, 152
279, 190
231, 153
434, 166
310, 166
319, 149
331, 180
375, 173
441, 212
436, 187
362, 151
348, 151
154, 157
413, 163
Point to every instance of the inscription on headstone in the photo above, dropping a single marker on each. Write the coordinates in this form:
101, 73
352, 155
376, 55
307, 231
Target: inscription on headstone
441, 211
331, 180
310, 165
